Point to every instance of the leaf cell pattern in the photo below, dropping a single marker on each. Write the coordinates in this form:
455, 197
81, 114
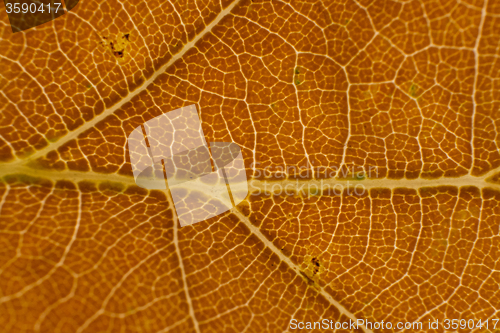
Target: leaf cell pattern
409, 88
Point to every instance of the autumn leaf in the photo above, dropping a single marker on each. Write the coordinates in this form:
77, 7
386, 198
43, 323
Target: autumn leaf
398, 100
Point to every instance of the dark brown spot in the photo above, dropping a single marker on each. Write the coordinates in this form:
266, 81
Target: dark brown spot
315, 261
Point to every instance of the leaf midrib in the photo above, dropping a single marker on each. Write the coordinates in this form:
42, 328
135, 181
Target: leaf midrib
265, 184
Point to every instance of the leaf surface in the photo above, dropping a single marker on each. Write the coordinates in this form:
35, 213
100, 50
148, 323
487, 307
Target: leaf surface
405, 90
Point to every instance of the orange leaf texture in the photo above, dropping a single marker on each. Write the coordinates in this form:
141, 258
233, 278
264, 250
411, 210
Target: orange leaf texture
312, 91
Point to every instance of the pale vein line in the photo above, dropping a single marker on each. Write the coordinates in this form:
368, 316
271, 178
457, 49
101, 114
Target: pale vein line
371, 229
16, 106
181, 265
491, 173
56, 266
4, 197
168, 328
446, 254
178, 14
72, 64
51, 307
218, 260
265, 185
102, 310
32, 222
118, 240
138, 30
476, 75
109, 111
42, 88
299, 308
249, 300
74, 176
254, 150
492, 271
301, 112
290, 184
414, 252
293, 266
141, 308
348, 116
